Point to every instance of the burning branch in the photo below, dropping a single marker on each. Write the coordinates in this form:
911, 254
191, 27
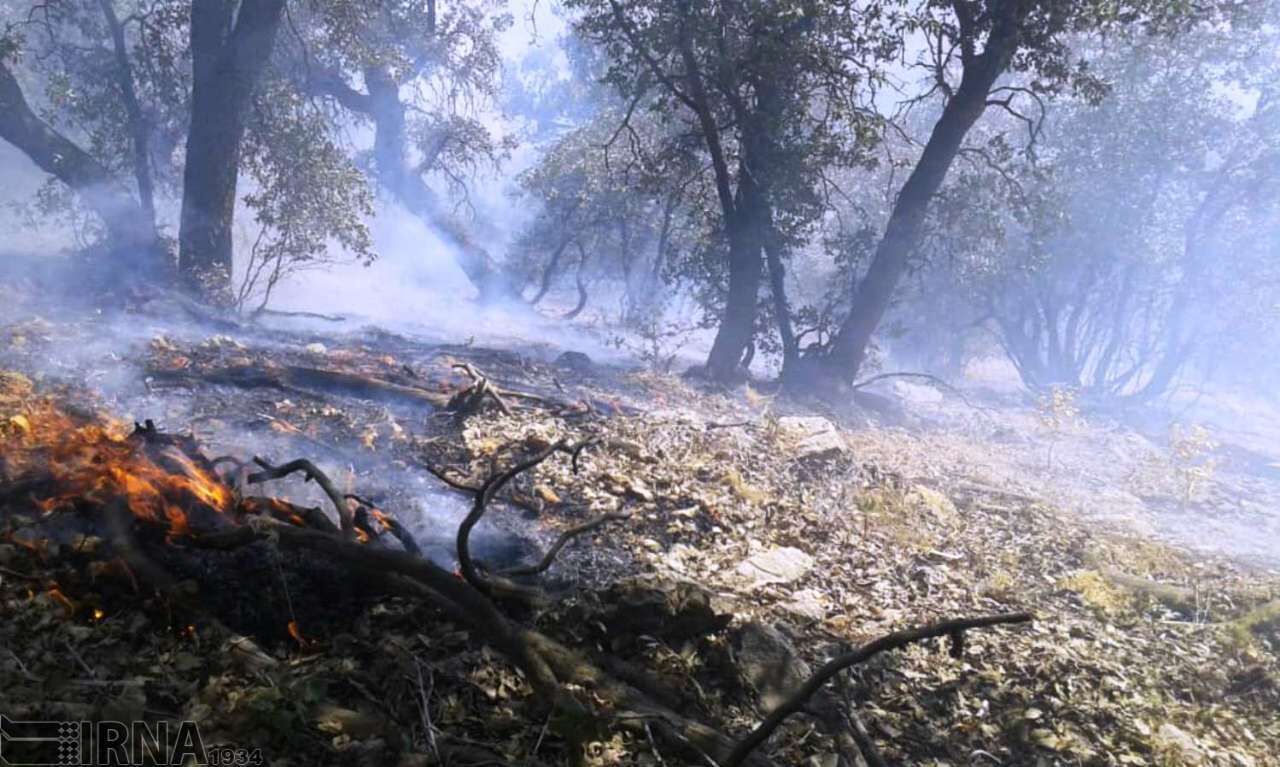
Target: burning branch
392, 525
309, 470
954, 629
548, 665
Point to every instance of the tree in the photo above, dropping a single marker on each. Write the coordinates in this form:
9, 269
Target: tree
770, 89
115, 140
984, 39
129, 222
231, 45
1119, 265
416, 75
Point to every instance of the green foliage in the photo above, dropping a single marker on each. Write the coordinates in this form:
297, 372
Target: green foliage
303, 208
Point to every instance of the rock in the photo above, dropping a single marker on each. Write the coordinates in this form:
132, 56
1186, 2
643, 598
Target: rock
782, 564
808, 604
316, 348
674, 611
1179, 743
933, 501
575, 361
812, 436
769, 663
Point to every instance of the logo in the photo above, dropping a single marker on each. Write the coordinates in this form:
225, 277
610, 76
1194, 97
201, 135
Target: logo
116, 744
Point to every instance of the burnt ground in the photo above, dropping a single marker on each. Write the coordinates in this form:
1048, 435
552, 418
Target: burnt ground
1142, 652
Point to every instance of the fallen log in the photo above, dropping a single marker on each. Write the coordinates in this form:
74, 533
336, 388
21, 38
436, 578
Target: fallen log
293, 378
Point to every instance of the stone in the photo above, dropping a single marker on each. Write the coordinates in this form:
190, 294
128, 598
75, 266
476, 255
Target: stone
769, 663
782, 564
1180, 743
812, 436
808, 604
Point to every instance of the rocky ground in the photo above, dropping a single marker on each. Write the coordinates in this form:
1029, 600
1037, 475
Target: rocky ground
759, 540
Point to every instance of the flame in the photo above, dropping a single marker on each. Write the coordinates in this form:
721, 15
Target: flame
296, 633
99, 463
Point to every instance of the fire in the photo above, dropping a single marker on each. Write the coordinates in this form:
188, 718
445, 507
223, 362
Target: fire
100, 463
296, 633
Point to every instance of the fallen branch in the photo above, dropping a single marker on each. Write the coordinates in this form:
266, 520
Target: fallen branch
302, 516
799, 699
345, 517
391, 524
547, 664
472, 399
294, 378
941, 384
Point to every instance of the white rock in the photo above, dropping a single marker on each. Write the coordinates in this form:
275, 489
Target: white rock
812, 436
808, 603
782, 564
1180, 742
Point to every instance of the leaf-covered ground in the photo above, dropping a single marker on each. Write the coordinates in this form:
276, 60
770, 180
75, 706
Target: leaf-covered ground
1118, 668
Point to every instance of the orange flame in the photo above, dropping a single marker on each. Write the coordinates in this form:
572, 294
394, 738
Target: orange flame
99, 463
296, 633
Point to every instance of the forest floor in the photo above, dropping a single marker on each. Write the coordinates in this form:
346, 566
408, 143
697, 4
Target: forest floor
807, 532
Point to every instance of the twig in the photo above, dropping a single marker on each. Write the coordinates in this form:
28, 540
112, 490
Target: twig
862, 738
654, 746
954, 629
19, 575
424, 696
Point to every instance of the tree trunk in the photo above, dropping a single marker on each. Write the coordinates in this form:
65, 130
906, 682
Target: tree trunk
228, 59
737, 322
128, 235
874, 293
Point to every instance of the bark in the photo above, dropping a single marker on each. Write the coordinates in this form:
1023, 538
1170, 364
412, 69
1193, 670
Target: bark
127, 232
873, 294
229, 52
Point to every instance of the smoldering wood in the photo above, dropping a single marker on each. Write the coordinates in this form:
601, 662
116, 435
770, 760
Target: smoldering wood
311, 473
